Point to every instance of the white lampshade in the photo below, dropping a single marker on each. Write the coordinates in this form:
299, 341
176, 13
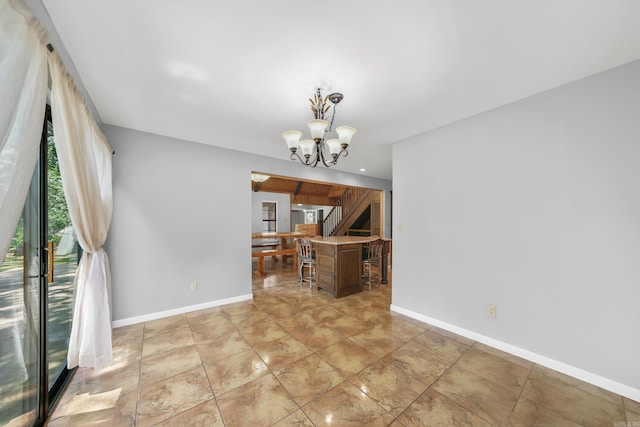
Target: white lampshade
317, 127
306, 145
334, 146
292, 137
258, 177
345, 133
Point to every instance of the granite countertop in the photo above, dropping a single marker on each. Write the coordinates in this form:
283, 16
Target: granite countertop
343, 240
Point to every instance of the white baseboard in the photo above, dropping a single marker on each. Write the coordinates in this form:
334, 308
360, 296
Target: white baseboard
591, 378
181, 310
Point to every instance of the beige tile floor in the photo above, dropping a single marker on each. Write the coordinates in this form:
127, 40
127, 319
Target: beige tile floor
295, 356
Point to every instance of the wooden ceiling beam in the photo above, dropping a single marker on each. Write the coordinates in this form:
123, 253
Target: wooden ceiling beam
336, 191
298, 187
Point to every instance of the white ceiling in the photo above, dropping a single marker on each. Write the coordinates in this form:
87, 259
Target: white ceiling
236, 74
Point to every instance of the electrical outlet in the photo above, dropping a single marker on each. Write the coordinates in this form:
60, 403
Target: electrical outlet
491, 311
194, 286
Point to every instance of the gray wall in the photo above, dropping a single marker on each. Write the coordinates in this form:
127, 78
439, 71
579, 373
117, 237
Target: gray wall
182, 213
283, 213
533, 207
297, 217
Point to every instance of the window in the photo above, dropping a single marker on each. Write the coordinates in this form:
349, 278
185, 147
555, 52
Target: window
269, 217
36, 296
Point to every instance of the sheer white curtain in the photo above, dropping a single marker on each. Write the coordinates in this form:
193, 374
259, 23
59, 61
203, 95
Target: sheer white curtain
23, 97
85, 167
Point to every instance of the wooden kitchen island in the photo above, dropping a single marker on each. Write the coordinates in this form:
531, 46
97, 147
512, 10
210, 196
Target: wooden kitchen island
339, 263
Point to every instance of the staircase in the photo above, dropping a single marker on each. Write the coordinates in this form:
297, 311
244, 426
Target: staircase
351, 205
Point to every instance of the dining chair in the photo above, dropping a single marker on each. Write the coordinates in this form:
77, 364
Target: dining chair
305, 260
373, 260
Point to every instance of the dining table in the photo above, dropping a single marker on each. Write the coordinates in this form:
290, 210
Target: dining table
281, 237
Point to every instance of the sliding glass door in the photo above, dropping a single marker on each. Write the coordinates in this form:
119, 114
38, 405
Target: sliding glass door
36, 293
63, 256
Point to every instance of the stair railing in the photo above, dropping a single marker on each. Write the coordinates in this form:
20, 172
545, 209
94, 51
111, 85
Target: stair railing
346, 202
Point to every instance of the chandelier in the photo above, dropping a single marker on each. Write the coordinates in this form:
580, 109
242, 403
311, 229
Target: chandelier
314, 150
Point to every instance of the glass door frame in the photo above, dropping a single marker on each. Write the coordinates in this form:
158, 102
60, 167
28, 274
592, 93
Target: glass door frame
47, 397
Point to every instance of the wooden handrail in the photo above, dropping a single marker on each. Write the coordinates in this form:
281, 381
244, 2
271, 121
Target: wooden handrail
350, 199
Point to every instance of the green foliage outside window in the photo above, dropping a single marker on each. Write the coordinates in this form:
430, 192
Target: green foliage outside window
58, 214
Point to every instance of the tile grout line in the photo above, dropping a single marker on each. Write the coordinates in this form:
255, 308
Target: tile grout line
135, 414
430, 387
215, 399
524, 384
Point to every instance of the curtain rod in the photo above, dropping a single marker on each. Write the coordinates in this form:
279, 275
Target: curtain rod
50, 48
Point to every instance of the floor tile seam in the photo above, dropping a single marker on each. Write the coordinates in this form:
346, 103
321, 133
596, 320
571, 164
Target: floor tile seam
335, 368
434, 385
543, 407
306, 405
214, 340
388, 352
299, 407
174, 347
315, 351
157, 355
340, 371
349, 379
306, 413
547, 408
194, 325
478, 343
144, 329
414, 401
121, 338
379, 358
524, 384
435, 330
520, 396
242, 334
624, 411
260, 342
486, 379
187, 410
435, 354
491, 380
481, 416
491, 422
139, 388
170, 378
574, 386
309, 349
206, 373
269, 371
290, 329
227, 391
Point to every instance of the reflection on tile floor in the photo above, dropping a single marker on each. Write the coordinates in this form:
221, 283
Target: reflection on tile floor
296, 356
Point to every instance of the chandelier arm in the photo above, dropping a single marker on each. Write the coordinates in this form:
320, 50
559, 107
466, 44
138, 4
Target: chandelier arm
324, 161
306, 162
316, 161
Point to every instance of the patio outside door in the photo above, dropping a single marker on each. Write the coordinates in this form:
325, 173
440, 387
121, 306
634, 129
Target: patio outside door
36, 293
